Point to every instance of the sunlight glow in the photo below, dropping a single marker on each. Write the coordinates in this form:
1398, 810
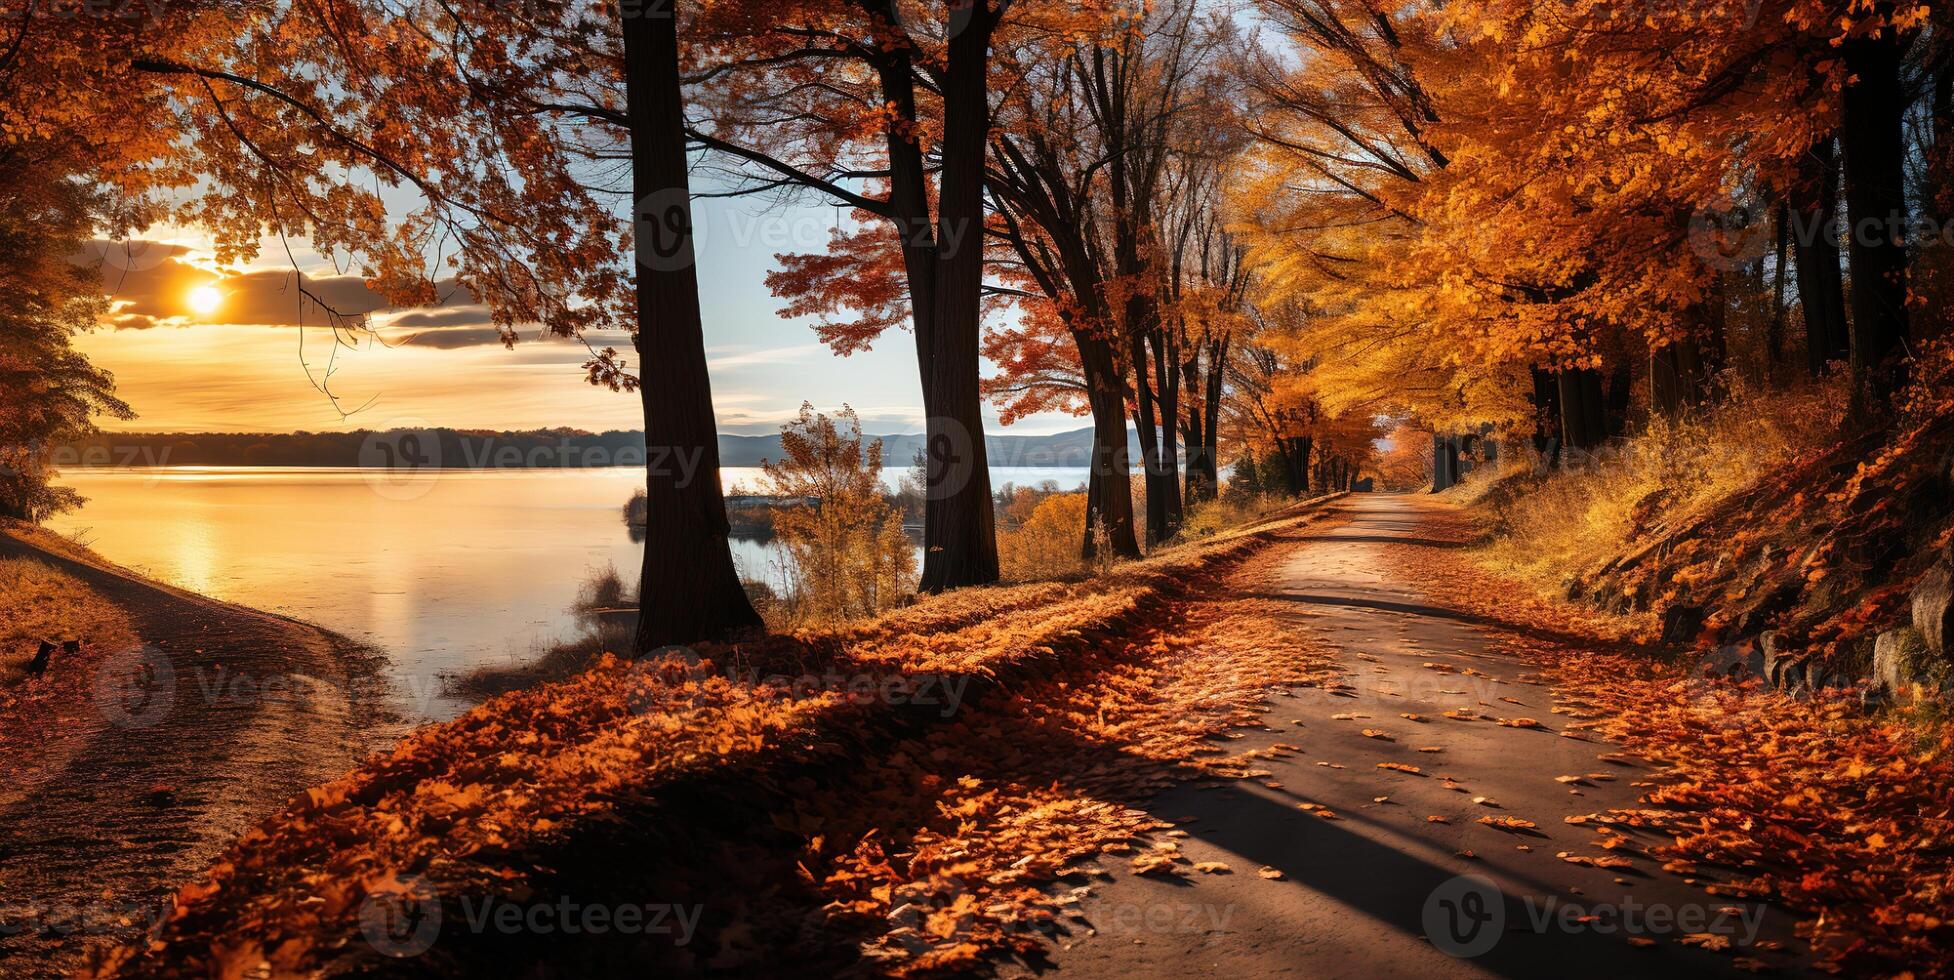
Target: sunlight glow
205, 300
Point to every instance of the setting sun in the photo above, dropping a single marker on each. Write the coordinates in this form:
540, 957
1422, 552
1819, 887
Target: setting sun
205, 300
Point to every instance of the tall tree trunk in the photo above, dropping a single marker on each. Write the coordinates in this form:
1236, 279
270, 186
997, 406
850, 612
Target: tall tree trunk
910, 212
961, 547
1940, 153
1814, 212
1871, 123
1445, 463
1621, 381
1109, 492
1145, 425
1682, 373
1089, 545
1203, 471
1297, 455
1774, 336
1167, 367
689, 590
1584, 422
1547, 437
1675, 377
1217, 364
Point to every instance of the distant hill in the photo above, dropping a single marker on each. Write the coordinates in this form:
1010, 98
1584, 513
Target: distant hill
481, 449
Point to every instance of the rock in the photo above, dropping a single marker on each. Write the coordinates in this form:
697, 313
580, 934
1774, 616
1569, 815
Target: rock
38, 665
1781, 668
1933, 608
1681, 624
1758, 616
1738, 662
1902, 665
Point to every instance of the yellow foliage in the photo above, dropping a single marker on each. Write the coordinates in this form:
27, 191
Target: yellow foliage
1575, 519
850, 557
1048, 543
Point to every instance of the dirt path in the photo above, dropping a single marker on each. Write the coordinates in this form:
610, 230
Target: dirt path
1376, 892
179, 746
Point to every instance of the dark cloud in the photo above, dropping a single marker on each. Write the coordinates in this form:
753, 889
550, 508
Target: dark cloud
149, 282
454, 337
130, 321
475, 335
452, 317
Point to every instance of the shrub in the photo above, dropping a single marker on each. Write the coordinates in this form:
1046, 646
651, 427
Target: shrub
850, 557
1047, 544
1207, 518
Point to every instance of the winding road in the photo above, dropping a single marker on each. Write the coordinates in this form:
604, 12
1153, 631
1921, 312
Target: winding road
1381, 889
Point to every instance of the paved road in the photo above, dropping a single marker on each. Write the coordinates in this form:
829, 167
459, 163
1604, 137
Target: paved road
1357, 889
221, 717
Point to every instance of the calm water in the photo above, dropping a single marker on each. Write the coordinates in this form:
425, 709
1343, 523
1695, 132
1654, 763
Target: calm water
443, 572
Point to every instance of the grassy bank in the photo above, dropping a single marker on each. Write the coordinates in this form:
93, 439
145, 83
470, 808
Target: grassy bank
1769, 514
45, 605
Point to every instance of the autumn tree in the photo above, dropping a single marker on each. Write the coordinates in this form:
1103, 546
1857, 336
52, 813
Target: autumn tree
49, 392
1101, 169
826, 95
1206, 290
482, 116
1048, 189
850, 555
1519, 215
83, 140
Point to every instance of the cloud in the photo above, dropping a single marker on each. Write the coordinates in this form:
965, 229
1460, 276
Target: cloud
450, 338
148, 284
473, 334
722, 358
453, 317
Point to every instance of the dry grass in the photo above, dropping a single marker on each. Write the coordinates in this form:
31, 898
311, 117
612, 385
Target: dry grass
1555, 528
44, 604
1211, 517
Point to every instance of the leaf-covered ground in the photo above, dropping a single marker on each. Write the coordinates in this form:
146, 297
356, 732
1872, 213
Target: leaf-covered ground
1841, 811
823, 801
824, 796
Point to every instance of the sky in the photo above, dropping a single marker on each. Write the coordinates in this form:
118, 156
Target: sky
247, 365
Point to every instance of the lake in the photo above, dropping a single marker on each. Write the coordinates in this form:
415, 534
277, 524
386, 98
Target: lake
442, 571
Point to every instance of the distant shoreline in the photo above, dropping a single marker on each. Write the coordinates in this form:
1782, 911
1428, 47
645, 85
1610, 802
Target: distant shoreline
468, 449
